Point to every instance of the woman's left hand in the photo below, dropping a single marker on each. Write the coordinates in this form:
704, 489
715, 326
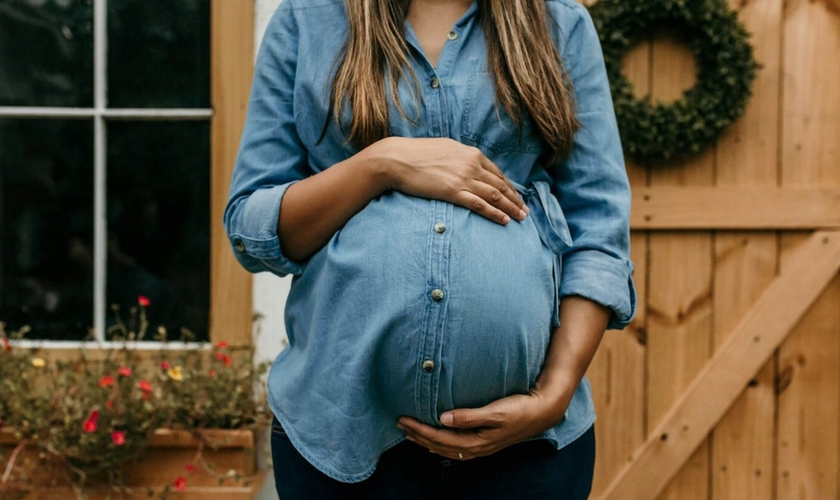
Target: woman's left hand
477, 432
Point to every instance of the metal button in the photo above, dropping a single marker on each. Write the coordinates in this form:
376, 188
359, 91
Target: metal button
428, 365
240, 247
437, 294
452, 35
440, 227
435, 83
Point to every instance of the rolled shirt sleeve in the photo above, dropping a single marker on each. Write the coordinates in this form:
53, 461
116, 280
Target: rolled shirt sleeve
271, 156
592, 185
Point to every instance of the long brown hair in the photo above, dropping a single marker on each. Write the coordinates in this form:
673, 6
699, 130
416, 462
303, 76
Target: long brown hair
527, 69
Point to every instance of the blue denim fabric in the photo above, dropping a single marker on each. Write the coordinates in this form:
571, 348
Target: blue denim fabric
365, 313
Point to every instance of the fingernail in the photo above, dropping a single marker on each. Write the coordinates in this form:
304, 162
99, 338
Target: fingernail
526, 209
505, 219
522, 214
446, 419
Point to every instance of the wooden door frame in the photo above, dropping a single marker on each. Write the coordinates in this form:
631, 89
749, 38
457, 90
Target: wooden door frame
232, 58
725, 376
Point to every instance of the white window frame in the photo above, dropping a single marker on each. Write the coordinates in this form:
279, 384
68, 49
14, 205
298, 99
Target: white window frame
100, 113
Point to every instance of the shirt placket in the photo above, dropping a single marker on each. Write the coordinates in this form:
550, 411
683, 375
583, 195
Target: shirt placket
439, 236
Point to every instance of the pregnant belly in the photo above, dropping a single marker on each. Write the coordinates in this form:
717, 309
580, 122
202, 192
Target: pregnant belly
487, 337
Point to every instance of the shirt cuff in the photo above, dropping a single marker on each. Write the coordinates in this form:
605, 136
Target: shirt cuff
604, 279
254, 240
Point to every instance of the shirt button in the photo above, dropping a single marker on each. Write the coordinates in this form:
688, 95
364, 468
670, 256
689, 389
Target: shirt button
440, 227
452, 35
435, 83
240, 247
437, 294
428, 366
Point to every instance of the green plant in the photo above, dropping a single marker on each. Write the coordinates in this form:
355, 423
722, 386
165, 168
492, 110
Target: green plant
726, 70
89, 416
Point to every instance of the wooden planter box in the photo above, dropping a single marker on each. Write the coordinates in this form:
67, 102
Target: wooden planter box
168, 453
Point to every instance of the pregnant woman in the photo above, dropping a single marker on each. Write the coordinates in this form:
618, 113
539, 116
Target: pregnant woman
445, 182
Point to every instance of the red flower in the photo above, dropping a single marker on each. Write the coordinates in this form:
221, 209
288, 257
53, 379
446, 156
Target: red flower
94, 415
211, 373
6, 344
144, 301
109, 404
124, 371
164, 365
144, 386
224, 358
89, 426
192, 469
118, 437
180, 483
222, 345
106, 381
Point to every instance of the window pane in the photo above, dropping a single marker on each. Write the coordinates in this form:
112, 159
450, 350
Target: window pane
46, 53
159, 53
159, 221
46, 227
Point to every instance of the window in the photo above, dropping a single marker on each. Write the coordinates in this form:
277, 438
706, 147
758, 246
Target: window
108, 175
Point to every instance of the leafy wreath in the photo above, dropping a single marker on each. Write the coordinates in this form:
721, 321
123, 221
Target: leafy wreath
726, 70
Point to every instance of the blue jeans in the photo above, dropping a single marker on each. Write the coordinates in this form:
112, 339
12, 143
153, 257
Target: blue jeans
531, 470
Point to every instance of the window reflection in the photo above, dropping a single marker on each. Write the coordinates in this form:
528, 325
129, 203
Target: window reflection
46, 53
159, 53
159, 221
46, 227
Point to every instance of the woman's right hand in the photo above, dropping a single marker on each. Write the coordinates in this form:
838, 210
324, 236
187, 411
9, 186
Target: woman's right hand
444, 169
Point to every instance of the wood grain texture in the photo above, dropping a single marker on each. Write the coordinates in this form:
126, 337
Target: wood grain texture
232, 50
617, 376
745, 264
809, 377
617, 372
730, 206
679, 296
810, 268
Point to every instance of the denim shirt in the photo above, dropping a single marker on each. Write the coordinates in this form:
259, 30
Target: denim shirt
419, 306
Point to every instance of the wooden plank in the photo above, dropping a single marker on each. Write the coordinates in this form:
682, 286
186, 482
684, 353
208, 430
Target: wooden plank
232, 50
808, 434
736, 207
742, 442
617, 372
745, 264
809, 270
617, 376
679, 305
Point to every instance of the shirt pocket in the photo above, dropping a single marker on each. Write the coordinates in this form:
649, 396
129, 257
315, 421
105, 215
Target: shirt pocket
485, 122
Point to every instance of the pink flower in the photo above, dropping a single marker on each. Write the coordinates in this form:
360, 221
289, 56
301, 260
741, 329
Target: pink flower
192, 469
89, 426
94, 415
106, 381
118, 437
6, 344
164, 365
144, 301
124, 371
222, 345
144, 386
180, 483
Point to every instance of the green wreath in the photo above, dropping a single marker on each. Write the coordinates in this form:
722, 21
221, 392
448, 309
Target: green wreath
726, 70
